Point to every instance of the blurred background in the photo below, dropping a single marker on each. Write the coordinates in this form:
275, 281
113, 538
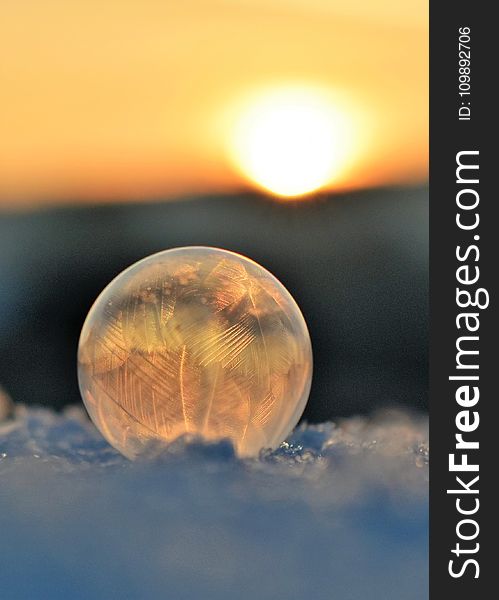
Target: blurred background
294, 132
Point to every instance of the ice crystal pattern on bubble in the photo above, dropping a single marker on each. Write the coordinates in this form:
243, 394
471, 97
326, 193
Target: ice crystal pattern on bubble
197, 341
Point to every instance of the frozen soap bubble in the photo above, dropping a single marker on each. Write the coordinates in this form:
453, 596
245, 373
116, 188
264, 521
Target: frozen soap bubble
195, 340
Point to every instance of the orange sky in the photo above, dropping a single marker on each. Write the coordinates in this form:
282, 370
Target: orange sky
130, 98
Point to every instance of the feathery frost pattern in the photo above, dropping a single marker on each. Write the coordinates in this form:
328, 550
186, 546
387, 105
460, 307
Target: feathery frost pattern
195, 341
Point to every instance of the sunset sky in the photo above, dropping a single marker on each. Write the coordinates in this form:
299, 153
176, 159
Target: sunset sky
129, 99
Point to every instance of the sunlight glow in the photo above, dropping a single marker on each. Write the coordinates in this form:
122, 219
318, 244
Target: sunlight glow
292, 140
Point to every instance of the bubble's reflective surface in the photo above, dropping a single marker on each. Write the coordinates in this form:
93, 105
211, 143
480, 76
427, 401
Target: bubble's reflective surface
195, 340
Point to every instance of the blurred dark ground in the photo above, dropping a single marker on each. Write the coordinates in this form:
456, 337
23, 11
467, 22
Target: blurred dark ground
357, 264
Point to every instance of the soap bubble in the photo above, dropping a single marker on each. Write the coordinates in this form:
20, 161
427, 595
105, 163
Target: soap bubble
197, 341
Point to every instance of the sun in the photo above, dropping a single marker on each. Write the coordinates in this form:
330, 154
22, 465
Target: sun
292, 140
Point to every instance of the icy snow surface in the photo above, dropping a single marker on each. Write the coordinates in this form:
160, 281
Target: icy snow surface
337, 512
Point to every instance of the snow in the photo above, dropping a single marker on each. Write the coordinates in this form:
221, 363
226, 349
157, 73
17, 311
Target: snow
337, 512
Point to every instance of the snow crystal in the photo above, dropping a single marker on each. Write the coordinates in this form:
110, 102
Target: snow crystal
336, 512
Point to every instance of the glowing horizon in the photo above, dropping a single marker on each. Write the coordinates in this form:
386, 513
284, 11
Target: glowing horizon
294, 140
128, 105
